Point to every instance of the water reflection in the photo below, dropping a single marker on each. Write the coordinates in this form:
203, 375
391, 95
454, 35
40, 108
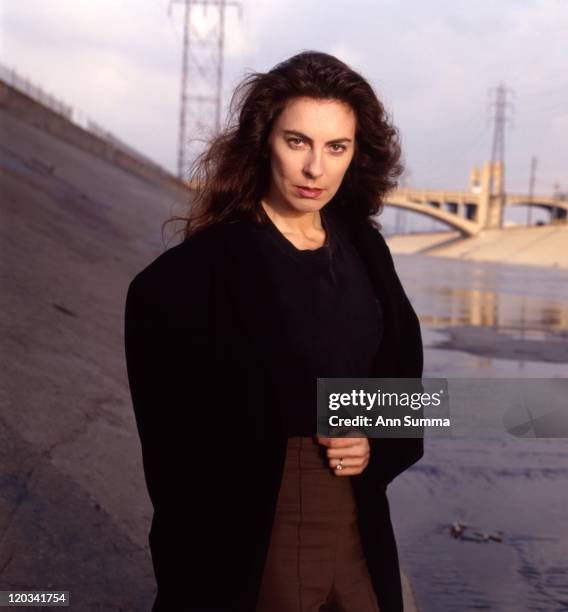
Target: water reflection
515, 318
457, 306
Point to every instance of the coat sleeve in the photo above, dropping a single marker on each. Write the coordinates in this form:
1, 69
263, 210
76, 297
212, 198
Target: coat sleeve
164, 360
186, 453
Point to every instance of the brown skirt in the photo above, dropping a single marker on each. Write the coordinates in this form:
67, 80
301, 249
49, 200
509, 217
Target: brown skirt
315, 560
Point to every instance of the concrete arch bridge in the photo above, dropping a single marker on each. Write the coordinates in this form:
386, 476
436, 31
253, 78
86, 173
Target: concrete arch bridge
481, 208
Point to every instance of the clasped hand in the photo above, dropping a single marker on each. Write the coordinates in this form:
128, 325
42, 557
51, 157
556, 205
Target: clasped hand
354, 452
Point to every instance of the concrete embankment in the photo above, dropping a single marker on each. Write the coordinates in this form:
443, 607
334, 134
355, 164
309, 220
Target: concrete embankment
76, 227
408, 595
545, 245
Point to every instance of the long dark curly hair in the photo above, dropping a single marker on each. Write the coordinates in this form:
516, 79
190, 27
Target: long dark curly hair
232, 175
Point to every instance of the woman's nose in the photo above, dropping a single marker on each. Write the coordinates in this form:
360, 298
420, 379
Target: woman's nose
314, 165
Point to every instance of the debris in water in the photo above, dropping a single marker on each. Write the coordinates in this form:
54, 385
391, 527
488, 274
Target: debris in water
457, 531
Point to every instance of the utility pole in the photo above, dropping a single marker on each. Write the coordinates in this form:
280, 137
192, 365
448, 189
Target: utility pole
531, 190
400, 217
201, 95
497, 168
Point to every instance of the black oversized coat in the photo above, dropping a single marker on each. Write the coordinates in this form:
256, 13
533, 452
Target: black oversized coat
199, 327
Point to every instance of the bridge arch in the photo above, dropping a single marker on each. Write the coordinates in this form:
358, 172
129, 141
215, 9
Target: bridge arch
464, 226
547, 203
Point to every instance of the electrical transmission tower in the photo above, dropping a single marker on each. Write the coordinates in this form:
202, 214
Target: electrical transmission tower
201, 95
497, 164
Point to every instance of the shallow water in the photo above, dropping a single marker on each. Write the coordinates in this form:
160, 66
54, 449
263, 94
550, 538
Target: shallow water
515, 489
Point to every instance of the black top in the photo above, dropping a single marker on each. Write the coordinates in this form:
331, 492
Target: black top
331, 319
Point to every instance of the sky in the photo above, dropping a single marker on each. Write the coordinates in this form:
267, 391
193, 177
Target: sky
433, 63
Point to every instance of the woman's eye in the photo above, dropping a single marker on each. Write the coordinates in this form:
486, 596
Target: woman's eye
337, 148
295, 141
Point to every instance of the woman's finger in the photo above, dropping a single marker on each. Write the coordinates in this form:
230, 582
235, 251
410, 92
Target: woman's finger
357, 450
350, 471
347, 462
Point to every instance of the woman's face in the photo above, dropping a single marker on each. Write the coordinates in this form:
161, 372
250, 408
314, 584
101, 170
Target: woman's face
311, 146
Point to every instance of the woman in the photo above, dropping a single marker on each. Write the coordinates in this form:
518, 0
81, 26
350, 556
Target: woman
281, 278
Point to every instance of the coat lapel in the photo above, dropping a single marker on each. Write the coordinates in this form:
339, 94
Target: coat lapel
368, 247
400, 354
252, 296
